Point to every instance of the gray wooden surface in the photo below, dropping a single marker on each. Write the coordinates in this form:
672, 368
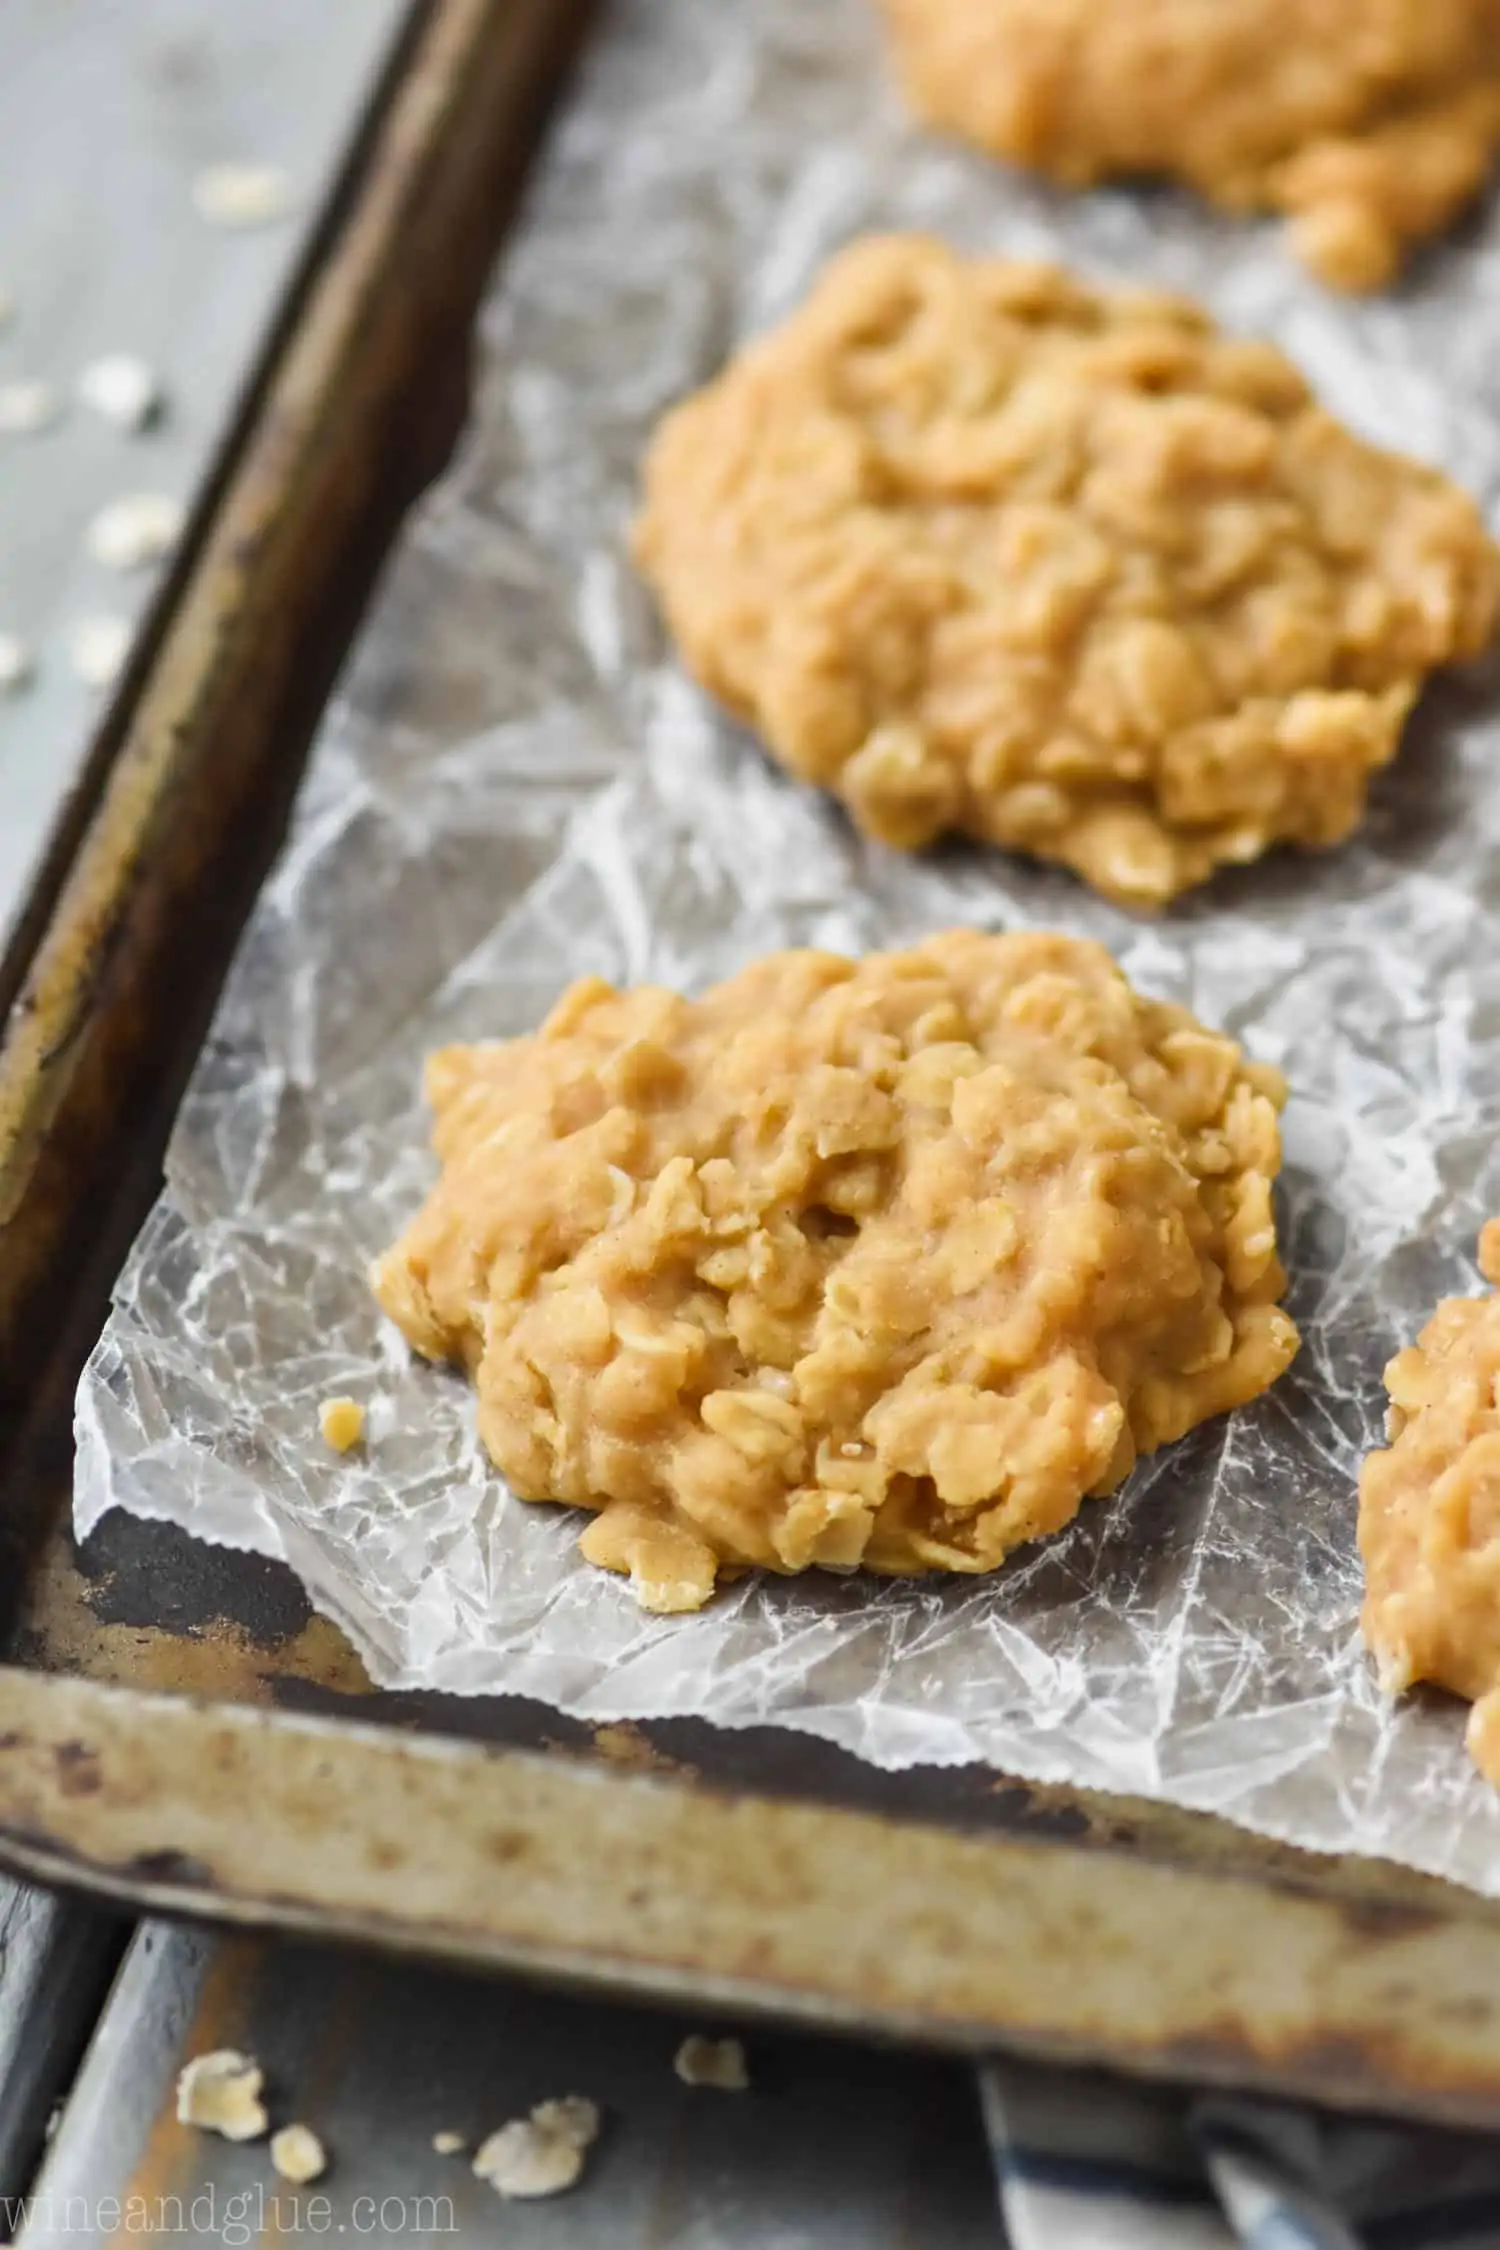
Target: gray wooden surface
833, 2147
109, 109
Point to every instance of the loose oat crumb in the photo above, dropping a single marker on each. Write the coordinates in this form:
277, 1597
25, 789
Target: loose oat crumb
97, 649
719, 2063
121, 389
342, 1422
298, 2155
242, 195
135, 531
572, 2117
26, 407
15, 664
448, 2144
541, 2154
220, 2093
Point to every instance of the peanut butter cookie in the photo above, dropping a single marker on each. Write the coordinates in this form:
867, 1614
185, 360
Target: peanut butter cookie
1429, 1512
1371, 123
887, 1263
979, 547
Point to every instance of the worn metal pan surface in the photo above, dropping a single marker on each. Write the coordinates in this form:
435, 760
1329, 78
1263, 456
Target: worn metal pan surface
176, 1728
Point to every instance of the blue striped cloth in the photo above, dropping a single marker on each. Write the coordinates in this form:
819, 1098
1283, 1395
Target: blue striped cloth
1086, 2162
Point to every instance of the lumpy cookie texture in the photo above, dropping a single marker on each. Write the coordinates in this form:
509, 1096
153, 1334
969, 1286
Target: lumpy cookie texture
1370, 123
1429, 1512
887, 1263
979, 547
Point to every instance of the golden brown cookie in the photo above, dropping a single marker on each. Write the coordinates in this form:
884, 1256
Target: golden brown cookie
1371, 123
1429, 1512
979, 547
889, 1262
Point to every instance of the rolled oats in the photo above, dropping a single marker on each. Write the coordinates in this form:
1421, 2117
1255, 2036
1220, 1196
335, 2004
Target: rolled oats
220, 2093
26, 407
98, 647
121, 390
17, 665
1370, 123
999, 1225
243, 195
1429, 1512
298, 2155
135, 531
342, 1423
542, 2154
979, 547
718, 2063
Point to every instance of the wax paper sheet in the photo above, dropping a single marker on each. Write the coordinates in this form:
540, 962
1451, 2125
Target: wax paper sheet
517, 786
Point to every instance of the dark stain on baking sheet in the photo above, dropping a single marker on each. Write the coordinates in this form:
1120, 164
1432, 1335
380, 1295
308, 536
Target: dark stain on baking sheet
153, 1575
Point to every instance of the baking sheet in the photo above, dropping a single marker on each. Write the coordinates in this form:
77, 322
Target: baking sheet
517, 787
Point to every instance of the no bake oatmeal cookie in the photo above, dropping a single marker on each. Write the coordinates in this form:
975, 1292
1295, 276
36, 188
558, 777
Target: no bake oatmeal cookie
1370, 123
889, 1262
980, 547
1429, 1512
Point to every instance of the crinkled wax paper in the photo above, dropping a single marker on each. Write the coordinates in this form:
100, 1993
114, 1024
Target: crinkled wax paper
517, 786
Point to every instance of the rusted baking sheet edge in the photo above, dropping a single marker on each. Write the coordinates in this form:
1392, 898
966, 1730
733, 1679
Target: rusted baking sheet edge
355, 411
552, 1866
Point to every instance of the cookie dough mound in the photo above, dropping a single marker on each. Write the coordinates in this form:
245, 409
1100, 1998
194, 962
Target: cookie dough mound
1429, 1512
1371, 123
978, 547
887, 1263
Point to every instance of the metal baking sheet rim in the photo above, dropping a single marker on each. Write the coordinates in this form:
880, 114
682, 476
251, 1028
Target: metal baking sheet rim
1384, 1994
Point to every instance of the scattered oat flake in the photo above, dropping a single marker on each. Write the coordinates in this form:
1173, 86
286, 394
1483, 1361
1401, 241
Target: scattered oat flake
571, 2117
122, 390
137, 530
712, 2062
220, 2093
15, 664
98, 647
342, 1422
541, 2154
448, 2144
26, 407
298, 2155
242, 195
